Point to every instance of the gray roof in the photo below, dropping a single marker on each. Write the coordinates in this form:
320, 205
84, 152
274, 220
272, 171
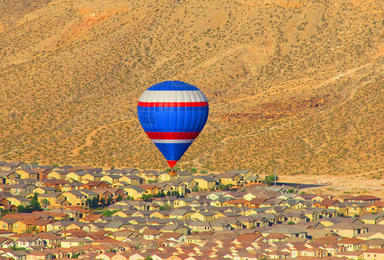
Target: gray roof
115, 224
285, 229
179, 212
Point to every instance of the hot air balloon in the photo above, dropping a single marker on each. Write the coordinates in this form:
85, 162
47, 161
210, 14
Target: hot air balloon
172, 114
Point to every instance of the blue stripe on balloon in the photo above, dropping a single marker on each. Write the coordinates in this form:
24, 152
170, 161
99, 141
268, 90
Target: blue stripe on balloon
172, 152
172, 119
172, 85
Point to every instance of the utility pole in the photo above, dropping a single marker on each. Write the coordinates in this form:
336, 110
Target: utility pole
274, 175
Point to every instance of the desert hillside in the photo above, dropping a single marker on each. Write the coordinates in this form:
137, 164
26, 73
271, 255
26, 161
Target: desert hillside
293, 85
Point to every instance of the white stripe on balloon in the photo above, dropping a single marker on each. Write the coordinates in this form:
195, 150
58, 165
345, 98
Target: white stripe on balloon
173, 96
173, 141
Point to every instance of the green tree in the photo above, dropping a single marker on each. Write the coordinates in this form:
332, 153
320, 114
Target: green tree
108, 213
92, 203
224, 187
102, 201
165, 207
147, 197
159, 195
45, 202
95, 202
270, 179
129, 198
35, 205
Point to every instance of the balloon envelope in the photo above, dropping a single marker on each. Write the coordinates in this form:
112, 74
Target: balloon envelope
173, 113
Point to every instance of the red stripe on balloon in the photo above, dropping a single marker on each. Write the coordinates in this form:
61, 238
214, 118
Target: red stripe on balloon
172, 135
172, 163
172, 104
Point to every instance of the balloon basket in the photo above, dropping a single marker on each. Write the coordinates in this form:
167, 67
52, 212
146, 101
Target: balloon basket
172, 173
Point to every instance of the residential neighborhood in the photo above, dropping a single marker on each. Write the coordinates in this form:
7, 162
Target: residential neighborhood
62, 212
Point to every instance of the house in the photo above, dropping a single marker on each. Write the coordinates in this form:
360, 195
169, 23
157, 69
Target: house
94, 227
374, 254
202, 216
124, 213
294, 204
55, 184
172, 239
203, 183
18, 254
161, 214
178, 228
91, 218
7, 224
115, 226
72, 185
55, 199
91, 177
57, 174
255, 202
137, 256
25, 173
246, 238
30, 242
75, 197
235, 178
235, 203
89, 194
73, 242
150, 189
150, 234
288, 230
111, 179
96, 185
372, 219
163, 177
181, 202
294, 216
123, 235
173, 186
18, 200
105, 256
132, 179
9, 177
21, 189
351, 244
134, 191
347, 229
43, 190
6, 205
182, 214
362, 198
324, 204
75, 175
30, 225
252, 178
199, 226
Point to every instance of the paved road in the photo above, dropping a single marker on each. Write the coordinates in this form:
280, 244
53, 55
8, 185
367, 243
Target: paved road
299, 185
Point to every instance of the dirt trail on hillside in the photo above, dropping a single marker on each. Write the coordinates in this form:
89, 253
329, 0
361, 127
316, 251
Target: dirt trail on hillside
322, 84
89, 137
